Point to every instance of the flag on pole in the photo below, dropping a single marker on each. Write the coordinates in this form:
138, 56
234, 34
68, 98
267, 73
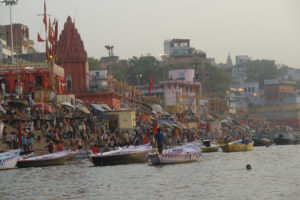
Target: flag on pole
39, 38
150, 86
45, 16
50, 36
155, 127
56, 31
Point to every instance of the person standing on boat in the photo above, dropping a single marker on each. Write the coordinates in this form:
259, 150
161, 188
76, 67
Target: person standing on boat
159, 137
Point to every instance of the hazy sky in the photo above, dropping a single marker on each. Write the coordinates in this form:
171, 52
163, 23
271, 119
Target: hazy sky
267, 29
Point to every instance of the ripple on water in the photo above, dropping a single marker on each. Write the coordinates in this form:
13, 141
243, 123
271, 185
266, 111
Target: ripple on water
275, 175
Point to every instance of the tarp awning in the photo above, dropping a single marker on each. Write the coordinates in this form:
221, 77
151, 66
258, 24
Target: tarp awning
100, 107
83, 109
64, 103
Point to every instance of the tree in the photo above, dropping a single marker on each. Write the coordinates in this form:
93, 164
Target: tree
217, 80
94, 64
259, 70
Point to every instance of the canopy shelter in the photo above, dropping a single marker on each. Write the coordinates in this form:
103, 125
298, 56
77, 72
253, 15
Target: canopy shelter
64, 103
42, 107
101, 107
83, 109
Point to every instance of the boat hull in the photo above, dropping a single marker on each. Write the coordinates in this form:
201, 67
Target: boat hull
9, 162
261, 142
210, 149
136, 157
285, 141
237, 147
165, 158
43, 162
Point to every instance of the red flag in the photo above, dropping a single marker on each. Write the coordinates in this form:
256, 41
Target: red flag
45, 16
150, 86
50, 36
155, 128
145, 139
132, 94
56, 31
47, 51
39, 38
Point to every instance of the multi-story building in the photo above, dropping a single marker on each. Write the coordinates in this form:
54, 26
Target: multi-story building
21, 42
181, 91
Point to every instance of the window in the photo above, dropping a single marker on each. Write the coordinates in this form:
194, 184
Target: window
97, 74
253, 89
245, 89
249, 89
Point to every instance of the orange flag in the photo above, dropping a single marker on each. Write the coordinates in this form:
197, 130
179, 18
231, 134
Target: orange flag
45, 16
50, 36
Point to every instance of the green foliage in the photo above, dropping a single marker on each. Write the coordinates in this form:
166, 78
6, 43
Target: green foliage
138, 70
94, 64
217, 81
259, 70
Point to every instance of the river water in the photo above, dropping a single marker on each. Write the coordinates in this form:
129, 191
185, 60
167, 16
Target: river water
275, 174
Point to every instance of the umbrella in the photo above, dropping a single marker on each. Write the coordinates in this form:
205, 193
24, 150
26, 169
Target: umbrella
64, 103
83, 109
99, 107
43, 107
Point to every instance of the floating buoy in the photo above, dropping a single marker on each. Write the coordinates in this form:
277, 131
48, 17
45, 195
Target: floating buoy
248, 167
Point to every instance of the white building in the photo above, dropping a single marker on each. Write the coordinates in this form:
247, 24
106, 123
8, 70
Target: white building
241, 59
180, 91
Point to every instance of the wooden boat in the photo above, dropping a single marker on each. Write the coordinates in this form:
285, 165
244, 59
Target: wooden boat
58, 158
8, 160
286, 138
189, 152
82, 154
261, 141
131, 154
209, 147
237, 146
72, 154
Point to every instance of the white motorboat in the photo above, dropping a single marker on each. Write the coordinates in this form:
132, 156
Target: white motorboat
8, 160
131, 154
188, 152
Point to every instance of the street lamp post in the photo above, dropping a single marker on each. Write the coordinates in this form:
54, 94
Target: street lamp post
10, 3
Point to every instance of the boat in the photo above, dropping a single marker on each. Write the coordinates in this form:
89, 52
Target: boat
24, 155
8, 160
261, 141
58, 158
209, 147
238, 145
81, 154
188, 152
131, 154
72, 154
286, 138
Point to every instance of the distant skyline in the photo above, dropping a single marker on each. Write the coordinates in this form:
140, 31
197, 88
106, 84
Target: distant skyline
261, 29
